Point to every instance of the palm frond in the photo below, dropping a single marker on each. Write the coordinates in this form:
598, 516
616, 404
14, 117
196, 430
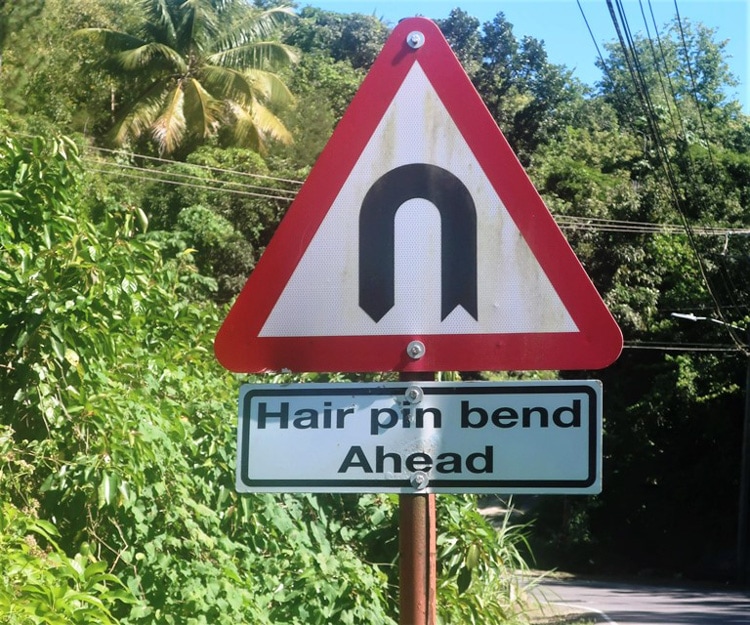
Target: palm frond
269, 87
110, 40
255, 125
159, 23
257, 54
266, 23
226, 83
133, 120
255, 28
169, 129
155, 55
199, 23
245, 132
269, 126
201, 109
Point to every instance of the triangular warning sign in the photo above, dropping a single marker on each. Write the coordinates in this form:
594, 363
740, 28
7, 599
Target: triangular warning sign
417, 243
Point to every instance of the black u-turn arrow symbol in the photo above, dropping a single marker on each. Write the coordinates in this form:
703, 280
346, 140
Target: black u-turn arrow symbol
458, 238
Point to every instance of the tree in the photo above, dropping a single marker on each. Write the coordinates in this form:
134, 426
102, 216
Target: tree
325, 88
13, 16
38, 52
527, 95
625, 167
462, 33
201, 68
682, 73
353, 37
337, 50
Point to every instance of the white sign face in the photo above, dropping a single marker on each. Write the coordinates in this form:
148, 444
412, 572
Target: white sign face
421, 437
514, 293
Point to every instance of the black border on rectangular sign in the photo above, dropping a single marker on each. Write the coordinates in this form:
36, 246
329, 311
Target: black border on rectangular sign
436, 485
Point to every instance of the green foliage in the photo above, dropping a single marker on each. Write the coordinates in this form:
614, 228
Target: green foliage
668, 72
116, 437
40, 584
220, 250
336, 52
354, 38
529, 97
51, 78
226, 212
481, 566
198, 67
16, 15
324, 89
116, 425
264, 193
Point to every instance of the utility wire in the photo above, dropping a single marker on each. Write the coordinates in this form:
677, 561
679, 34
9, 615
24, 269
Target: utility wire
658, 68
683, 347
156, 159
133, 156
636, 71
692, 83
596, 44
173, 175
641, 227
205, 187
667, 70
566, 222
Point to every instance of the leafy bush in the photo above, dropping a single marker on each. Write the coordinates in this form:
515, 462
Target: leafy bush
482, 569
120, 416
40, 584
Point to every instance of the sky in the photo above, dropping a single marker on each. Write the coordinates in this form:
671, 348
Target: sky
560, 24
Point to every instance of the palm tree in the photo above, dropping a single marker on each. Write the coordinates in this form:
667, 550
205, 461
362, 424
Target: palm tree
202, 66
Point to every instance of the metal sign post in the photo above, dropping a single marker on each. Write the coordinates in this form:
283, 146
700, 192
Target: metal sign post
417, 546
417, 549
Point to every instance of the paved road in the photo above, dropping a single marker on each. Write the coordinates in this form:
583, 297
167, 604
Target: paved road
626, 604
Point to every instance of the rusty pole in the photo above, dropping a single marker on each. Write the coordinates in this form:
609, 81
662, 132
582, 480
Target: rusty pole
417, 550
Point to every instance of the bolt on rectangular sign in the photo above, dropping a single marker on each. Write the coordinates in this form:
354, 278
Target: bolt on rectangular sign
421, 437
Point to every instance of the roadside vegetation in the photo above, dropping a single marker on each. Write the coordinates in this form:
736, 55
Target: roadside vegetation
148, 150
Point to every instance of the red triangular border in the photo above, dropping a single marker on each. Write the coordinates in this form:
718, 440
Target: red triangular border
599, 342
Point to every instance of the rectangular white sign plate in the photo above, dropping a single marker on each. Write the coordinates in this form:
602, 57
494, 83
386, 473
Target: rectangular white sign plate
421, 437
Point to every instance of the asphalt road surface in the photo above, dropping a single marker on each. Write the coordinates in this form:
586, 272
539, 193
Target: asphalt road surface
630, 604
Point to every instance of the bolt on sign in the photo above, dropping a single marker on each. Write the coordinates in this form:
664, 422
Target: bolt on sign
426, 437
418, 243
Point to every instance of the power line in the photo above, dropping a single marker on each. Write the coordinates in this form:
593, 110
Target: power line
682, 347
641, 227
204, 187
658, 69
155, 159
565, 222
632, 61
217, 183
135, 156
596, 44
694, 89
